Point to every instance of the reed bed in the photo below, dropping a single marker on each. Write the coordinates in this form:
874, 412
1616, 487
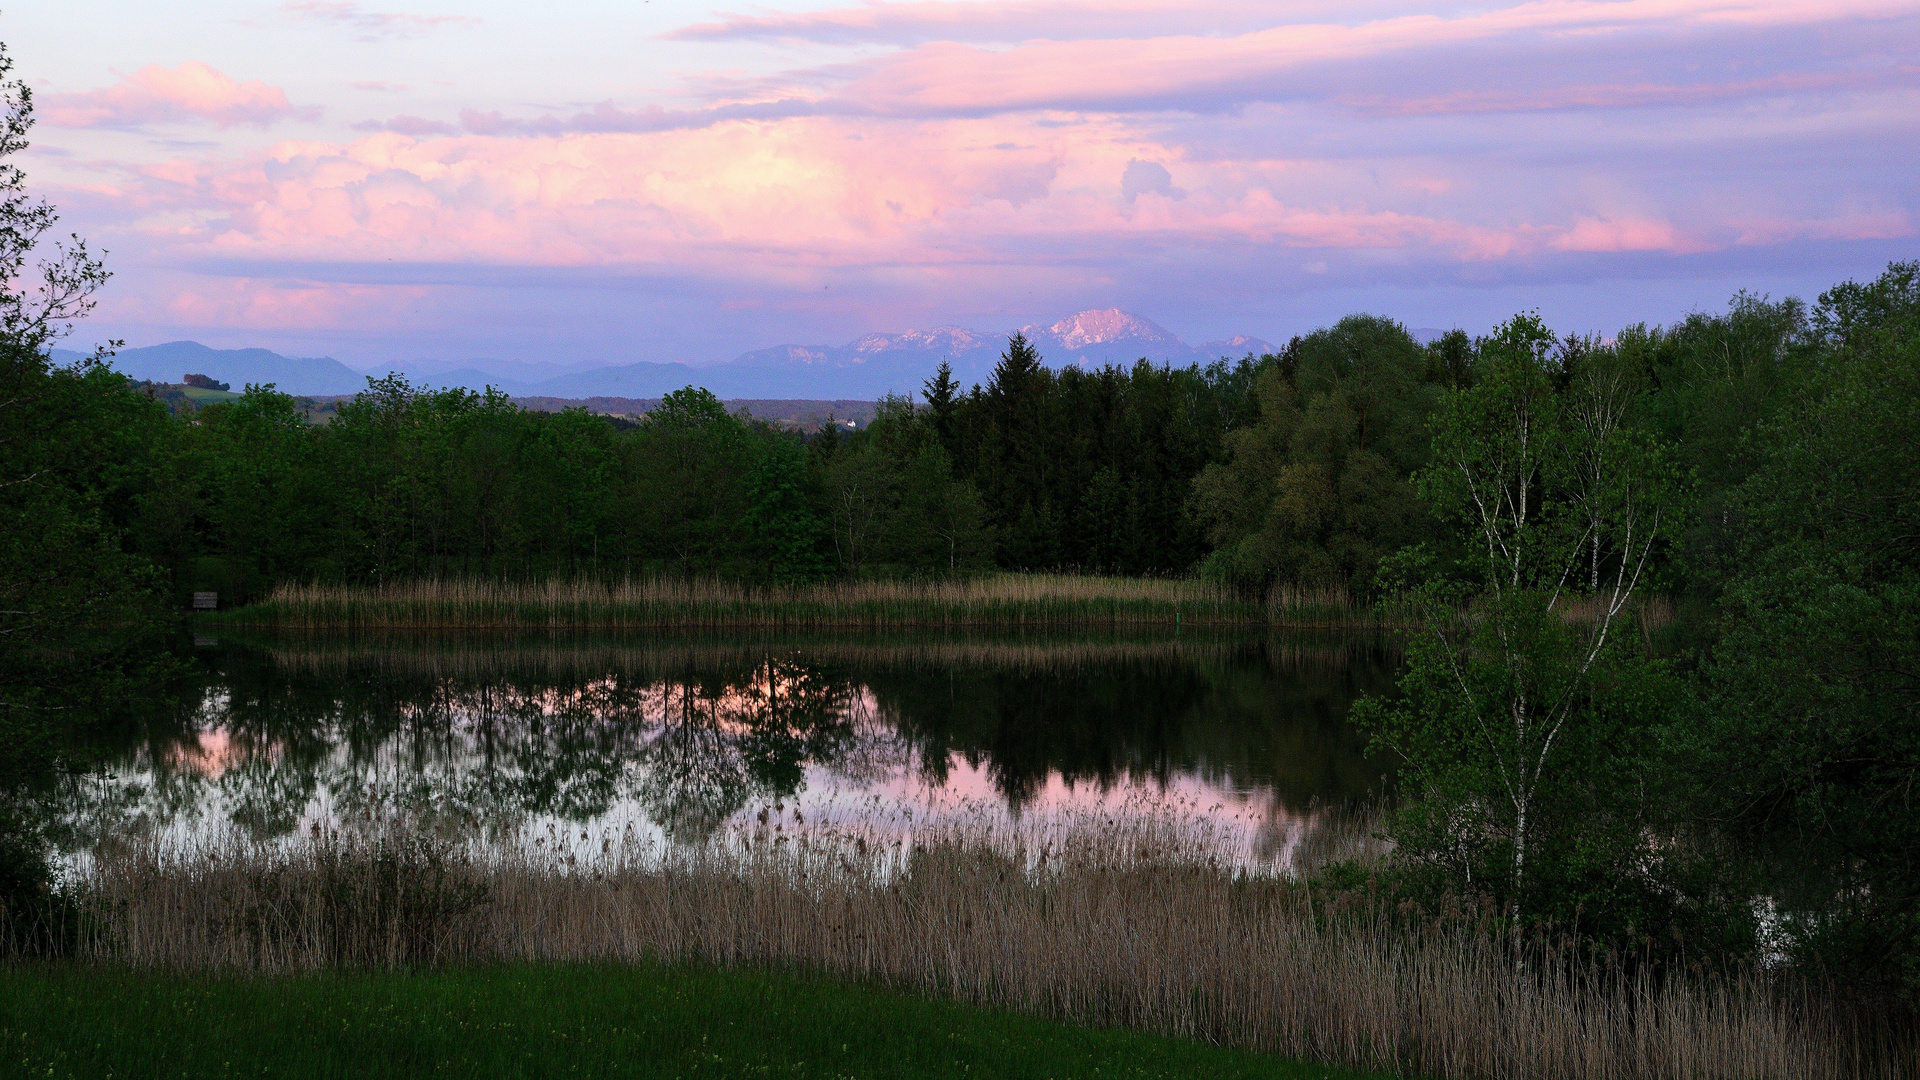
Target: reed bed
1003, 600
1131, 926
481, 654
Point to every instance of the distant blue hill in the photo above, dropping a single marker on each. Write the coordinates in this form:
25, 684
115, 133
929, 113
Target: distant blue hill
862, 369
237, 367
642, 380
877, 363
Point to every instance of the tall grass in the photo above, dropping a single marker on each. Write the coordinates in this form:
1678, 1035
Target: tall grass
575, 655
1004, 600
1130, 925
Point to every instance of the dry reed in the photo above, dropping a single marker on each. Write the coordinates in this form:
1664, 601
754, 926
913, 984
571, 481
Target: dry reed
481, 654
1135, 928
1049, 600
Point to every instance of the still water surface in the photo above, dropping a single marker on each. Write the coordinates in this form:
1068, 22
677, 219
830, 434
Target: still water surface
684, 739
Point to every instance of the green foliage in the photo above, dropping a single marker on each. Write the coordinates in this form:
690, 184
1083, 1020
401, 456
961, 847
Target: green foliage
1318, 489
1811, 740
782, 520
1534, 760
1711, 380
1555, 764
1088, 469
79, 608
1526, 727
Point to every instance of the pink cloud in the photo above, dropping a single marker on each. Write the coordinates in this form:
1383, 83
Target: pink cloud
779, 201
920, 21
768, 201
1879, 225
1183, 69
1262, 143
279, 304
156, 94
1631, 234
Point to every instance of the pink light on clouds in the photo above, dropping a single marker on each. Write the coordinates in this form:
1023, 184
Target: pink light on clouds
777, 200
156, 94
1109, 73
1062, 20
1597, 234
1879, 225
279, 304
884, 165
802, 188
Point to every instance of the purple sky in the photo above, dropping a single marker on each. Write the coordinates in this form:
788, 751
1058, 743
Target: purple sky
661, 180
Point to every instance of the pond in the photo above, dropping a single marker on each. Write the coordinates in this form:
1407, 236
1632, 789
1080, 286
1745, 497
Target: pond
687, 739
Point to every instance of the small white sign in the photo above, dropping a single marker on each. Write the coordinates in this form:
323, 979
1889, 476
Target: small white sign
206, 601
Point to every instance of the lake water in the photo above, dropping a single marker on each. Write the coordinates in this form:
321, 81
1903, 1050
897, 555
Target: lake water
684, 740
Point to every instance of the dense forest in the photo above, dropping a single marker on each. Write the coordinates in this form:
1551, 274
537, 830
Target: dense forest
1297, 468
1039, 469
1758, 470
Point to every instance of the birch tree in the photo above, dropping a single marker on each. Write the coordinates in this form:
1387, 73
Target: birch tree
1512, 689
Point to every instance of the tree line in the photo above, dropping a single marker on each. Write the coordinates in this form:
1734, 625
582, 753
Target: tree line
1297, 468
1117, 470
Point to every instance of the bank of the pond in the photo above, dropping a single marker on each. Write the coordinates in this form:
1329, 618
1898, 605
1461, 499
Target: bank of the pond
1111, 924
557, 1020
1007, 600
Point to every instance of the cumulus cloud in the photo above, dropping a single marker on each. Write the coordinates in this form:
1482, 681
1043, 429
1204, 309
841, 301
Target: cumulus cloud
156, 94
1144, 177
786, 199
1322, 147
1600, 234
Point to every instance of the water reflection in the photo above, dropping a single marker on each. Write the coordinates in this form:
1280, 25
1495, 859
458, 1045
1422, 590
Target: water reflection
493, 735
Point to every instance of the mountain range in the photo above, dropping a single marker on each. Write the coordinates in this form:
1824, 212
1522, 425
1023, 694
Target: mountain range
865, 368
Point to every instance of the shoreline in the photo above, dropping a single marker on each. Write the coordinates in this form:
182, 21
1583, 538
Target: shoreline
1007, 601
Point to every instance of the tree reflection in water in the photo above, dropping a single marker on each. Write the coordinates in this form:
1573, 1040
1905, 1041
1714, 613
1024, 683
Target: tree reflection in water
484, 737
720, 744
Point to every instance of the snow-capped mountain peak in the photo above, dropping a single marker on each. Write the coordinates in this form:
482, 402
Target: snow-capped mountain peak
1105, 326
938, 339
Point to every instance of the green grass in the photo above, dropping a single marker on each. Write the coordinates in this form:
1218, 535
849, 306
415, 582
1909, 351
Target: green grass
202, 396
561, 1021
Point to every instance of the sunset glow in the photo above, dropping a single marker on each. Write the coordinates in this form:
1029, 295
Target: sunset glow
673, 182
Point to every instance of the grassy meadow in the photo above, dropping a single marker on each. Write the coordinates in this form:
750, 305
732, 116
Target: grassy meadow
525, 1020
1054, 601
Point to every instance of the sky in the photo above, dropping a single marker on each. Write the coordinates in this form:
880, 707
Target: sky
667, 180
